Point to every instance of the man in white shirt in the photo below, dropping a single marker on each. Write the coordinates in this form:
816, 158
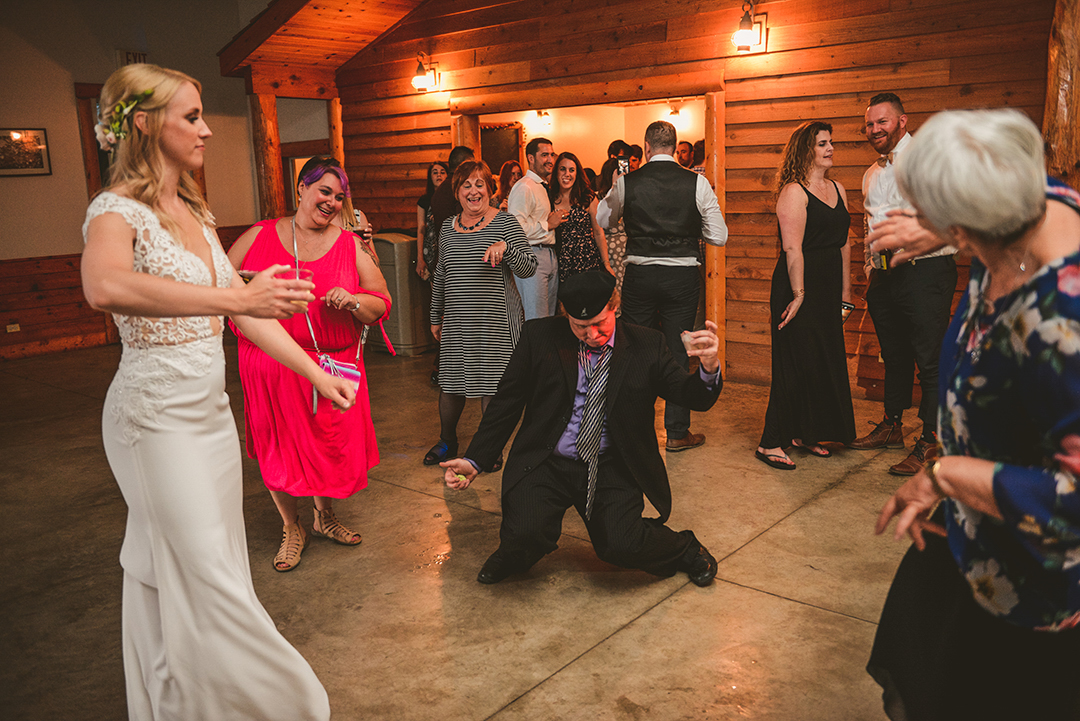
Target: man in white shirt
666, 209
528, 202
910, 302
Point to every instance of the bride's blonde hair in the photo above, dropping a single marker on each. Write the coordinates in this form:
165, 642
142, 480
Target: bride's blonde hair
137, 163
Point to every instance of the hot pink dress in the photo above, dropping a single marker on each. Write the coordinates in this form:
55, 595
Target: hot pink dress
303, 454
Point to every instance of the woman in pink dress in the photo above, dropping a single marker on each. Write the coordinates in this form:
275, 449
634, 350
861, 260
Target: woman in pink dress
325, 454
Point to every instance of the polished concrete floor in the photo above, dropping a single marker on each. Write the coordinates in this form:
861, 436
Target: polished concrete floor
398, 628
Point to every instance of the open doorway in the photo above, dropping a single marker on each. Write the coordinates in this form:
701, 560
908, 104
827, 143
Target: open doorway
586, 130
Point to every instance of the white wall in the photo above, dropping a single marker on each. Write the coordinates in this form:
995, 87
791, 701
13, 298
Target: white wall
689, 124
586, 131
43, 53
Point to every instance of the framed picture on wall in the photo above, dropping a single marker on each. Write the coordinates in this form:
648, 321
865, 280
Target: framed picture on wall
24, 151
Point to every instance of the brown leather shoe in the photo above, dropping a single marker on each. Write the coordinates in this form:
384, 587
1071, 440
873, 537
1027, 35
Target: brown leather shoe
692, 440
884, 435
925, 452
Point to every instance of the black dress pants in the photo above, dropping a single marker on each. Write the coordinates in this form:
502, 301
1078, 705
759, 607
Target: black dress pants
533, 511
911, 306
665, 297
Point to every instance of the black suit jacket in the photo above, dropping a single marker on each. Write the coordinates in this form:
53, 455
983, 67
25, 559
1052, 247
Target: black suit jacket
541, 379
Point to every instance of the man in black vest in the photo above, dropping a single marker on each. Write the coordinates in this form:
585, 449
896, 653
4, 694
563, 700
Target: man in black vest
666, 209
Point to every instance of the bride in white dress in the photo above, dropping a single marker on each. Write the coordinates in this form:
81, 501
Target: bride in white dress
197, 642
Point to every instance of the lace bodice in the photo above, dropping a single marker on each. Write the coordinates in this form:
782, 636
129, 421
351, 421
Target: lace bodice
158, 253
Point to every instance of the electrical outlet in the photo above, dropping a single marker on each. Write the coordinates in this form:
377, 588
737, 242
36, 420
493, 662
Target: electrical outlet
13, 328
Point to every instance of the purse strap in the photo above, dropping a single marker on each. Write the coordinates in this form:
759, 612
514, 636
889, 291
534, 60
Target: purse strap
307, 317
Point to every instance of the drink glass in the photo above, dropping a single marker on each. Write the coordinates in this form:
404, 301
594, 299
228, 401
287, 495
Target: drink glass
296, 274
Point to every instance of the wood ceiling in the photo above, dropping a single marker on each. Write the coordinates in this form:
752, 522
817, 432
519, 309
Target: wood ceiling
294, 47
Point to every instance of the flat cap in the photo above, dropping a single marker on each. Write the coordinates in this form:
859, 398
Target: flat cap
585, 295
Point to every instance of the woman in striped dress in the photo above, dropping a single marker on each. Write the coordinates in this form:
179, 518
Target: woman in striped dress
476, 311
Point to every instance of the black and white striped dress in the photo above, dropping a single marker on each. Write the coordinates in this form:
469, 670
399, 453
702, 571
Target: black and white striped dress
478, 305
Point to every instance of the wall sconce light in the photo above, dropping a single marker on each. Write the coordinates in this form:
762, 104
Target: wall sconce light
426, 77
750, 37
677, 119
543, 119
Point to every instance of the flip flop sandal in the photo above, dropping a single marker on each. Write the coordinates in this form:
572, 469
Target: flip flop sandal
440, 452
814, 449
767, 459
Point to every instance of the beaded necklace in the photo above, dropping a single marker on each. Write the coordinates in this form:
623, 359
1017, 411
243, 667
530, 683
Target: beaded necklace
461, 223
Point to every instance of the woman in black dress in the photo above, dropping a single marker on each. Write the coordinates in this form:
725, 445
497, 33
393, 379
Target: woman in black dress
579, 239
810, 399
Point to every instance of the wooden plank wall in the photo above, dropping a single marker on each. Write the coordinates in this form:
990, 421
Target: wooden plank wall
824, 61
43, 297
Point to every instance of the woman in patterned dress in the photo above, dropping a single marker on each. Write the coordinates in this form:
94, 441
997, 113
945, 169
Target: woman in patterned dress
197, 642
476, 311
616, 236
986, 624
579, 239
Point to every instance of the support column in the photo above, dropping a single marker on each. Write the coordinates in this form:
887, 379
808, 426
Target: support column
264, 126
337, 130
1061, 117
465, 130
716, 258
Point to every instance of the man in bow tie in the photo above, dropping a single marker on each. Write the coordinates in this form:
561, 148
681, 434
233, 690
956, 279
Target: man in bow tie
587, 384
910, 302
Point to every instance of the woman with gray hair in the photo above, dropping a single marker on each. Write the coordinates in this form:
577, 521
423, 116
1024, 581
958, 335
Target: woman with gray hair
999, 639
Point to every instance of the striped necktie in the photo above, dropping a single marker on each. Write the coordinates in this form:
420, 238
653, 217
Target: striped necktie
593, 416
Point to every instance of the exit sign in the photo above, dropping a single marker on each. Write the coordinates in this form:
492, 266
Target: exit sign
130, 57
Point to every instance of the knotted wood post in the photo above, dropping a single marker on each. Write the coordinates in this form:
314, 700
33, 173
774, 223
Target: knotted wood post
1061, 117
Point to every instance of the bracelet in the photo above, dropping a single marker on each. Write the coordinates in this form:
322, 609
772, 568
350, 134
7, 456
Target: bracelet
799, 293
932, 471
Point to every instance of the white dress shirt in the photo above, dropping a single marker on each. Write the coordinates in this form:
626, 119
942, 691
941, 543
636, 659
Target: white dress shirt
528, 202
881, 194
713, 228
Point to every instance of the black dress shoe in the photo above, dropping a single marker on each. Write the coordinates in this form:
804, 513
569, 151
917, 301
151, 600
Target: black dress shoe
496, 569
701, 568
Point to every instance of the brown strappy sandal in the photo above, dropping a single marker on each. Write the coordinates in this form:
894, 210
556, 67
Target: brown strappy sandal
327, 525
293, 540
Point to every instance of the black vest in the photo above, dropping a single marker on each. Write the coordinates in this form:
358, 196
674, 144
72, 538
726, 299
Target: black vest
660, 211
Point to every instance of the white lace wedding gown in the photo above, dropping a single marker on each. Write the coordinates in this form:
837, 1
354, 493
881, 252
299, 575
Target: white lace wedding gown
197, 642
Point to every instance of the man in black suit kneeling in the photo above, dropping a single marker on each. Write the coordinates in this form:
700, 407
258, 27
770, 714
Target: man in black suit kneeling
588, 384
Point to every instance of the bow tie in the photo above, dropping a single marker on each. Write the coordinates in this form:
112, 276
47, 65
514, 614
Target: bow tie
885, 160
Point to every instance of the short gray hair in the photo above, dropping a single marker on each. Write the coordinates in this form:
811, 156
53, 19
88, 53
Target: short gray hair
660, 135
981, 170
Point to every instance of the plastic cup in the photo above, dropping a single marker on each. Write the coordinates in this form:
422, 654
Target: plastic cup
296, 274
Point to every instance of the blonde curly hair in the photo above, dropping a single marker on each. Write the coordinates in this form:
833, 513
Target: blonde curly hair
137, 163
799, 154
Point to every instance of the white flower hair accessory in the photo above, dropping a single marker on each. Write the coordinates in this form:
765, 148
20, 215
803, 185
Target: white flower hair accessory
110, 135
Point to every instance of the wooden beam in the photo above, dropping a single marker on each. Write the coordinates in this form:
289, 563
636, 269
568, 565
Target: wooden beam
1061, 118
565, 92
295, 81
261, 29
465, 130
301, 148
337, 140
716, 258
264, 124
91, 168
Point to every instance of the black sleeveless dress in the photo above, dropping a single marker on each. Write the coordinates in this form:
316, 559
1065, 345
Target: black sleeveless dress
810, 398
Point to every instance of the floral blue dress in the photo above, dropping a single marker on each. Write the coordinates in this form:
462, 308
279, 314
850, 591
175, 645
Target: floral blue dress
1010, 393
